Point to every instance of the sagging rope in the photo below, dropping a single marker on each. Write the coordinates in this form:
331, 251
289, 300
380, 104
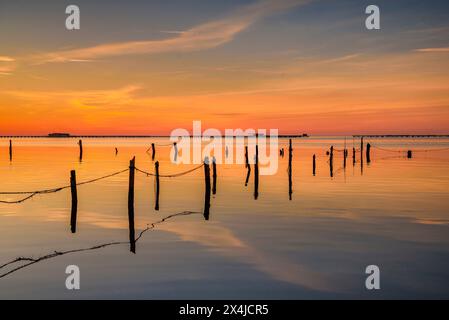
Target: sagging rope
54, 190
414, 150
170, 175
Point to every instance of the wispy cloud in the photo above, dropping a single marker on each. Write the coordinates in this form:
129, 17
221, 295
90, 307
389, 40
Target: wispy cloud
6, 59
444, 49
203, 36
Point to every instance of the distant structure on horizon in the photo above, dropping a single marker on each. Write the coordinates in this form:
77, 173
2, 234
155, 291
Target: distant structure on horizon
59, 135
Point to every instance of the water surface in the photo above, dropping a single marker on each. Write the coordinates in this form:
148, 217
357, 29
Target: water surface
392, 212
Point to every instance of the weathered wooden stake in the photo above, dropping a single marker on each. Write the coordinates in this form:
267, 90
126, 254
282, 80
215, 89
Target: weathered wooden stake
80, 143
214, 176
256, 173
156, 169
132, 238
290, 157
74, 201
361, 155
10, 150
353, 156
153, 153
368, 155
175, 146
345, 153
207, 188
313, 165
116, 151
331, 161
409, 154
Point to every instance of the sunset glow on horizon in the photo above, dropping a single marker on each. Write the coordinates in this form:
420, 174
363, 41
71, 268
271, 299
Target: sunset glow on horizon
148, 68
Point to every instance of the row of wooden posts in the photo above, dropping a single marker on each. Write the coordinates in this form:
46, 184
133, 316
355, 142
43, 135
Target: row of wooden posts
132, 170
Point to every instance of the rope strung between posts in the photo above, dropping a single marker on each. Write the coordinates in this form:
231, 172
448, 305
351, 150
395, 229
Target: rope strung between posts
54, 190
174, 175
414, 150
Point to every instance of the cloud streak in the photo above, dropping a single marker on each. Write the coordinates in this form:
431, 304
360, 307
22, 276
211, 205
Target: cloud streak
204, 36
446, 49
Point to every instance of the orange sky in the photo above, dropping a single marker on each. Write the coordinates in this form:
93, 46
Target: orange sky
155, 86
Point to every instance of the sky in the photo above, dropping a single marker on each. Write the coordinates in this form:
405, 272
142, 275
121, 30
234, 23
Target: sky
299, 66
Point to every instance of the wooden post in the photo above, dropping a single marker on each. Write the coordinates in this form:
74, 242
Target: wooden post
10, 150
368, 155
74, 201
175, 146
80, 143
214, 176
345, 153
256, 173
361, 155
331, 162
248, 167
132, 238
409, 154
207, 188
353, 156
313, 165
116, 151
156, 169
153, 151
290, 181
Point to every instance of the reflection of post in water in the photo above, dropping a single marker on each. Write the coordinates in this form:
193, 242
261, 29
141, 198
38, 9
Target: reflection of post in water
214, 176
176, 151
313, 165
10, 150
290, 156
248, 167
207, 188
256, 173
74, 201
331, 161
80, 143
153, 151
156, 169
132, 238
368, 155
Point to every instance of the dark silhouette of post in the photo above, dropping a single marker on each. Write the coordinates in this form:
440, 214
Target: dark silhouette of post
331, 161
248, 167
290, 181
353, 156
10, 150
153, 151
313, 165
214, 176
132, 237
116, 151
409, 154
207, 188
80, 143
175, 146
74, 201
345, 154
361, 155
156, 169
368, 155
